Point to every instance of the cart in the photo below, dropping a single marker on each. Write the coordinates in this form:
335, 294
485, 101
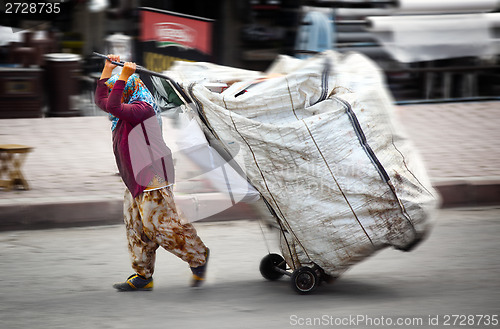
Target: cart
318, 139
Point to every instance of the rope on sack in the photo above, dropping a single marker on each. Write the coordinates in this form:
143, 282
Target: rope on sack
373, 158
281, 219
323, 97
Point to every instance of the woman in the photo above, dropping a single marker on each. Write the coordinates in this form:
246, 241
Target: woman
145, 165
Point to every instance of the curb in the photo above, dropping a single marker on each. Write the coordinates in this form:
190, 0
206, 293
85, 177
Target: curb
468, 193
457, 193
74, 213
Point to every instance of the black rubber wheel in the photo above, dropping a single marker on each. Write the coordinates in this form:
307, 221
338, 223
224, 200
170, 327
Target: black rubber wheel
304, 280
267, 265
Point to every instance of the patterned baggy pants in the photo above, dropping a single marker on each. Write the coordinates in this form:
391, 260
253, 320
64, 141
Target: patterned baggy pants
153, 220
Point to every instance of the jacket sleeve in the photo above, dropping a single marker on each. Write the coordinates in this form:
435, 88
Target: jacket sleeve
101, 94
133, 113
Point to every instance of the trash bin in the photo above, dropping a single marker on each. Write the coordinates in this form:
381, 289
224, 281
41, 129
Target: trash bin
62, 76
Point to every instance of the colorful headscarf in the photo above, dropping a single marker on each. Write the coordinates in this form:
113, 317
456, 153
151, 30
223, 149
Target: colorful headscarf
135, 90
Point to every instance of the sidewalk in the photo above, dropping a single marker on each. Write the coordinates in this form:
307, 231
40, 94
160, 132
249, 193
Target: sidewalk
460, 146
72, 171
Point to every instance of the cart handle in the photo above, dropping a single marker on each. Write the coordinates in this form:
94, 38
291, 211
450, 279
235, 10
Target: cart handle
141, 69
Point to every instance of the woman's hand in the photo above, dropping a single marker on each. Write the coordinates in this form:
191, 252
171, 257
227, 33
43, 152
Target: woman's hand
127, 71
108, 66
114, 58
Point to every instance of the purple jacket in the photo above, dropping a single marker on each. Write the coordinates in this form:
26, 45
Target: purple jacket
136, 171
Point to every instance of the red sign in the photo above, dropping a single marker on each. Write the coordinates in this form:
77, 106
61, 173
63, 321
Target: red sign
176, 30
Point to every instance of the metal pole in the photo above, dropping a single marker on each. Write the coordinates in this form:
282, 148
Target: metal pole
141, 69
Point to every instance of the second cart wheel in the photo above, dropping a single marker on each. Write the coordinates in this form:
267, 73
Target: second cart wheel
304, 280
267, 265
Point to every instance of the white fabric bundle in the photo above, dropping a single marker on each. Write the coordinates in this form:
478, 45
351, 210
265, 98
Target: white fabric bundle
320, 142
430, 37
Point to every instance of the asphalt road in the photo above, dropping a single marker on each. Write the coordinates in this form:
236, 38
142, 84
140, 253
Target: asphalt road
62, 278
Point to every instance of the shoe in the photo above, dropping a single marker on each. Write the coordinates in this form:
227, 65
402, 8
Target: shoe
135, 282
199, 272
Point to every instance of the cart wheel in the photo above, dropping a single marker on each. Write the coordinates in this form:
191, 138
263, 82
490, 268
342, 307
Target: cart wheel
267, 265
304, 280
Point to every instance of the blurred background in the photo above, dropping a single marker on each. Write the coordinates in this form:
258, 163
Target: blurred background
441, 62
430, 51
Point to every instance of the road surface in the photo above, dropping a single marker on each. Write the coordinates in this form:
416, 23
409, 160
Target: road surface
61, 278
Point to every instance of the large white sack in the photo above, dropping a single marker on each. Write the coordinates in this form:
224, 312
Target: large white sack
301, 149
